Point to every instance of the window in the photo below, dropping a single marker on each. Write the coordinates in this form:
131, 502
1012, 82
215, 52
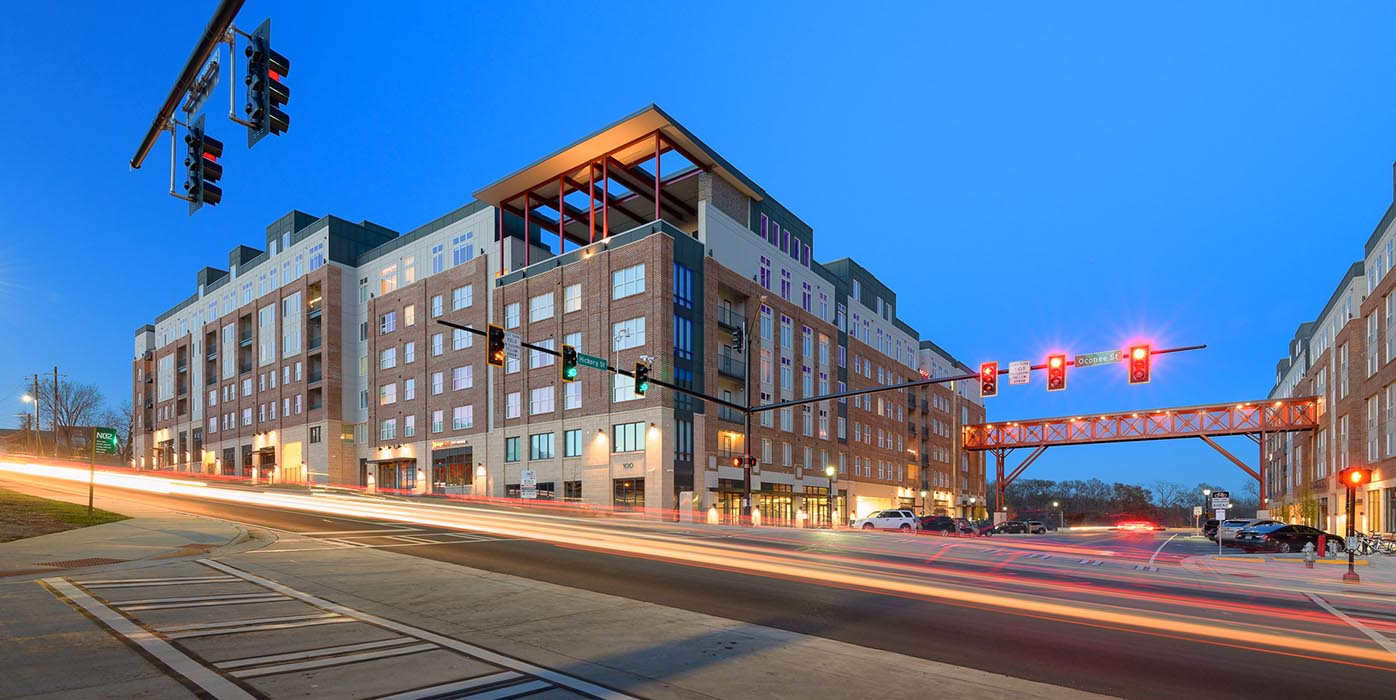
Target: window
511, 449
462, 248
511, 405
436, 259
387, 359
1390, 423
317, 258
316, 433
437, 344
1373, 437
541, 400
462, 377
387, 323
571, 298
462, 417
437, 418
409, 352
628, 282
628, 334
409, 389
683, 286
409, 426
461, 339
387, 430
387, 279
463, 297
683, 338
537, 358
572, 395
436, 303
628, 437
540, 308
409, 315
765, 324
623, 388
1373, 356
540, 446
387, 394
572, 443
511, 315
437, 383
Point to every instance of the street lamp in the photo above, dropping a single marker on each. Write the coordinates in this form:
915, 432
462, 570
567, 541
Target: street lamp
972, 499
1061, 514
1197, 521
833, 475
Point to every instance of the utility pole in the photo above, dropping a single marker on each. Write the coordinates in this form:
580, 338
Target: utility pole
55, 412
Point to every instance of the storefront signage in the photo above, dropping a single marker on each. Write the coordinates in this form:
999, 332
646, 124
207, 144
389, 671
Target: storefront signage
439, 444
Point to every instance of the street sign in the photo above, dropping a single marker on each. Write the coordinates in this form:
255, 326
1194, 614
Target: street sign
528, 484
586, 360
1221, 500
511, 345
1019, 371
106, 440
1197, 511
1099, 358
1221, 514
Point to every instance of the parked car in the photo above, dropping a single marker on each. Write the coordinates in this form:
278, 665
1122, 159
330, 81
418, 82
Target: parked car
966, 527
1282, 538
1209, 529
894, 519
939, 523
1226, 533
1011, 527
1037, 527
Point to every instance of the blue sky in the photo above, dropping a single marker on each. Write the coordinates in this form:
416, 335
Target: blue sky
1029, 177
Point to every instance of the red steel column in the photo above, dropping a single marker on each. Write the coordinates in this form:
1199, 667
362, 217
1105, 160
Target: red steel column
499, 238
998, 484
1264, 458
606, 198
591, 202
528, 207
656, 176
561, 232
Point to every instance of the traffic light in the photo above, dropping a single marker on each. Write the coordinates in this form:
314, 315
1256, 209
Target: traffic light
988, 379
1056, 372
494, 343
1139, 358
737, 462
642, 378
1355, 477
266, 94
569, 363
204, 169
738, 340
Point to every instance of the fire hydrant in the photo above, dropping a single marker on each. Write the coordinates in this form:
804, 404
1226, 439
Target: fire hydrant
1309, 555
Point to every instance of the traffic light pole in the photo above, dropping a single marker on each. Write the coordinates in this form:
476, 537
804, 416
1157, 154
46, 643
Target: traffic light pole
1351, 575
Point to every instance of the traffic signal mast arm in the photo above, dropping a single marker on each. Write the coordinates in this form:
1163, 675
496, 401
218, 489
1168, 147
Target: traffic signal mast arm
609, 367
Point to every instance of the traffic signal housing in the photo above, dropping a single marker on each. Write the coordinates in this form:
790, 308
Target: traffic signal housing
988, 379
738, 340
569, 363
1056, 372
1139, 359
494, 344
201, 160
266, 94
642, 378
1355, 477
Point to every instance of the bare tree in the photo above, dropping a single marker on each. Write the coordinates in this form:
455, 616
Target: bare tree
121, 419
74, 404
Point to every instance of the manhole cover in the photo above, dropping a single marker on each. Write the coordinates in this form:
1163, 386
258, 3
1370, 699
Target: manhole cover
79, 563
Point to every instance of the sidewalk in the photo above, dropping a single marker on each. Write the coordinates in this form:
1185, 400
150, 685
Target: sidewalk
140, 539
1375, 571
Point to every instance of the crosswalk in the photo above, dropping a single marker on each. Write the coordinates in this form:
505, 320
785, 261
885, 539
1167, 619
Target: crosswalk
1374, 618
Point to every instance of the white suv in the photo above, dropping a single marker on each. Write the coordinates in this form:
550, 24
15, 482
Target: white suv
897, 519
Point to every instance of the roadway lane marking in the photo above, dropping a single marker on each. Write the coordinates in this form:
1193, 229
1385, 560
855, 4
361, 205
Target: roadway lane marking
447, 690
209, 680
1091, 562
336, 619
241, 623
313, 653
1145, 567
140, 582
1376, 636
512, 691
335, 661
493, 657
188, 599
204, 603
1160, 549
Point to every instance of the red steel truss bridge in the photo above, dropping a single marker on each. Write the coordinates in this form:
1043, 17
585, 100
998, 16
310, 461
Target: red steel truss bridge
1254, 419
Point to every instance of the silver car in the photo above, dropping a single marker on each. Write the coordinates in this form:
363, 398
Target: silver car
1226, 532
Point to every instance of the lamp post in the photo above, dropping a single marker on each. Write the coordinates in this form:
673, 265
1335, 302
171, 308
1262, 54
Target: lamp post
747, 349
1061, 514
972, 499
33, 425
833, 473
925, 507
1198, 520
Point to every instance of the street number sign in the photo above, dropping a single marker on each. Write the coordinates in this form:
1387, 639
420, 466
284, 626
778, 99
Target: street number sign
1019, 371
1099, 358
586, 360
105, 440
511, 345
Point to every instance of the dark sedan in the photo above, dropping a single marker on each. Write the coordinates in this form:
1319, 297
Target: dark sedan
945, 524
1011, 527
1285, 539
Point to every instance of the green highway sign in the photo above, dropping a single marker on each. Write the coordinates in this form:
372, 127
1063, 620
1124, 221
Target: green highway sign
586, 360
1099, 358
105, 440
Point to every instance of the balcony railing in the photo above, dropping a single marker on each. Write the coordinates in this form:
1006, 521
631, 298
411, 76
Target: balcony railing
731, 366
729, 318
730, 415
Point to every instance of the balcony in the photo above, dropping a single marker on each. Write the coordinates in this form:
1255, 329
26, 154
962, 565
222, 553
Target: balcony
183, 367
925, 405
731, 415
729, 318
911, 401
730, 366
211, 356
315, 376
911, 428
245, 341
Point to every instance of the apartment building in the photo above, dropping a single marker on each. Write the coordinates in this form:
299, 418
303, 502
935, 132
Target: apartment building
1345, 358
323, 358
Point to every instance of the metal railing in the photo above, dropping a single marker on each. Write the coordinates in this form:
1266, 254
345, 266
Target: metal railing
731, 366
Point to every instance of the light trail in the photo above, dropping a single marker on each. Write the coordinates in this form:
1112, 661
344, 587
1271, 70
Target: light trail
843, 571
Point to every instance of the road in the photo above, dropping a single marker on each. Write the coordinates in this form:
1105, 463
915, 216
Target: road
1102, 611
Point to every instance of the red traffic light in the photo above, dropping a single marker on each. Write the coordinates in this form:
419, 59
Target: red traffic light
988, 379
1056, 372
1139, 358
1353, 477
